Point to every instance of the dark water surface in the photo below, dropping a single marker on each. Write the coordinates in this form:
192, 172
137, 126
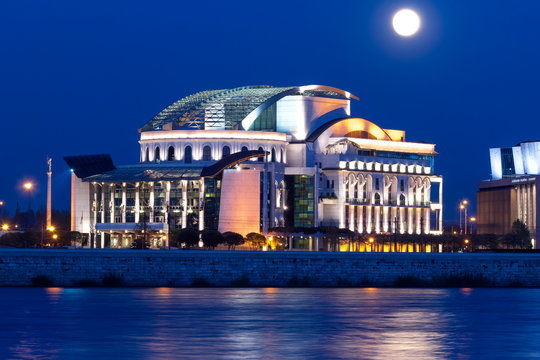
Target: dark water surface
225, 323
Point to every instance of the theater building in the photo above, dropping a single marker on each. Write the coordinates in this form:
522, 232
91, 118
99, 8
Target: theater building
511, 193
253, 158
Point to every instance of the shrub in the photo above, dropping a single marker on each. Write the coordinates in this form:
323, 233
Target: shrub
42, 281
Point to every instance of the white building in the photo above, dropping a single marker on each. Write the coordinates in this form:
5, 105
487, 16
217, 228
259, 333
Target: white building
252, 158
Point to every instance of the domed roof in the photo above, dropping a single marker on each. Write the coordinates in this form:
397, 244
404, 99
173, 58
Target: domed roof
228, 108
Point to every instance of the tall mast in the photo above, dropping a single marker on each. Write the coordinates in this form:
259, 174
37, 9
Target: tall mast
49, 174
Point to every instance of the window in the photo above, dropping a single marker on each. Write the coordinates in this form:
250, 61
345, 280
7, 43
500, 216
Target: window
377, 199
226, 151
147, 158
273, 159
332, 184
376, 184
156, 155
170, 154
207, 153
187, 155
402, 185
244, 148
261, 159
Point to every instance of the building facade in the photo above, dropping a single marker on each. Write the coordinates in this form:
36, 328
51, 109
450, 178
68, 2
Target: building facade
510, 194
257, 157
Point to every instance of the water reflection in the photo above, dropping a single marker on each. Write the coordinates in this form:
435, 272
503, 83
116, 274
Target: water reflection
269, 323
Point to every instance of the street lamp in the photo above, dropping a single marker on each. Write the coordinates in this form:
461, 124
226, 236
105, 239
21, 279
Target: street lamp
463, 207
472, 220
28, 187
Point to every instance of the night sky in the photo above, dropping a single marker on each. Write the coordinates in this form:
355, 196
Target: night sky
82, 77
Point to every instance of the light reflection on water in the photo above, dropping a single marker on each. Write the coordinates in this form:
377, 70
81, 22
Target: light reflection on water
270, 323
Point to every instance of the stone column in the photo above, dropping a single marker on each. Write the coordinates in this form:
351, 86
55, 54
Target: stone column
167, 202
401, 220
385, 218
351, 217
111, 202
368, 219
410, 220
360, 219
95, 209
103, 205
151, 202
377, 219
201, 204
102, 240
418, 220
427, 225
341, 199
124, 202
137, 213
393, 220
184, 204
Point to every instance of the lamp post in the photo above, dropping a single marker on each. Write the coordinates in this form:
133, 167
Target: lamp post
28, 187
473, 220
461, 207
465, 202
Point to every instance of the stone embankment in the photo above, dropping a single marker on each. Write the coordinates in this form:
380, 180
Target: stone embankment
275, 269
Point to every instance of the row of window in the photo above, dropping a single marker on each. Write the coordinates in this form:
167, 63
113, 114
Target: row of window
206, 154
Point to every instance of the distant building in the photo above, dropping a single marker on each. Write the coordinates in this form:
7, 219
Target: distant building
510, 194
252, 158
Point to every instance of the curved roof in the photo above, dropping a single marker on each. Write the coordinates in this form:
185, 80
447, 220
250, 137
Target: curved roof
229, 161
345, 126
231, 108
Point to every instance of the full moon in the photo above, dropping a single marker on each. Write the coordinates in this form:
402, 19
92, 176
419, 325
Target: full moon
406, 22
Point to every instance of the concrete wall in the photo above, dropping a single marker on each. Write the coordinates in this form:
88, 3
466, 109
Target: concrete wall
239, 209
224, 268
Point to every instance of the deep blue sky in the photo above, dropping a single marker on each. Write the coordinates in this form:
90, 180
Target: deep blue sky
82, 77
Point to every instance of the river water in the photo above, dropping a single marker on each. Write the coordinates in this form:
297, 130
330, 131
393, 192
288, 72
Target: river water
269, 323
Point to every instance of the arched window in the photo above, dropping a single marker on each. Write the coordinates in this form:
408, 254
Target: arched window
273, 155
377, 199
401, 199
261, 159
147, 158
157, 158
282, 159
244, 148
226, 151
187, 155
207, 153
170, 154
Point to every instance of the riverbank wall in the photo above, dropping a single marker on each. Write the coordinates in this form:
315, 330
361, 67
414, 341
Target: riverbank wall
86, 267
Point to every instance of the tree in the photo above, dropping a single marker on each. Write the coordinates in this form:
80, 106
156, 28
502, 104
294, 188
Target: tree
140, 243
233, 239
188, 237
212, 238
256, 240
522, 235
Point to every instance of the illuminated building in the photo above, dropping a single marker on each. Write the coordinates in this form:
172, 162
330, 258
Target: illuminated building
510, 194
257, 157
